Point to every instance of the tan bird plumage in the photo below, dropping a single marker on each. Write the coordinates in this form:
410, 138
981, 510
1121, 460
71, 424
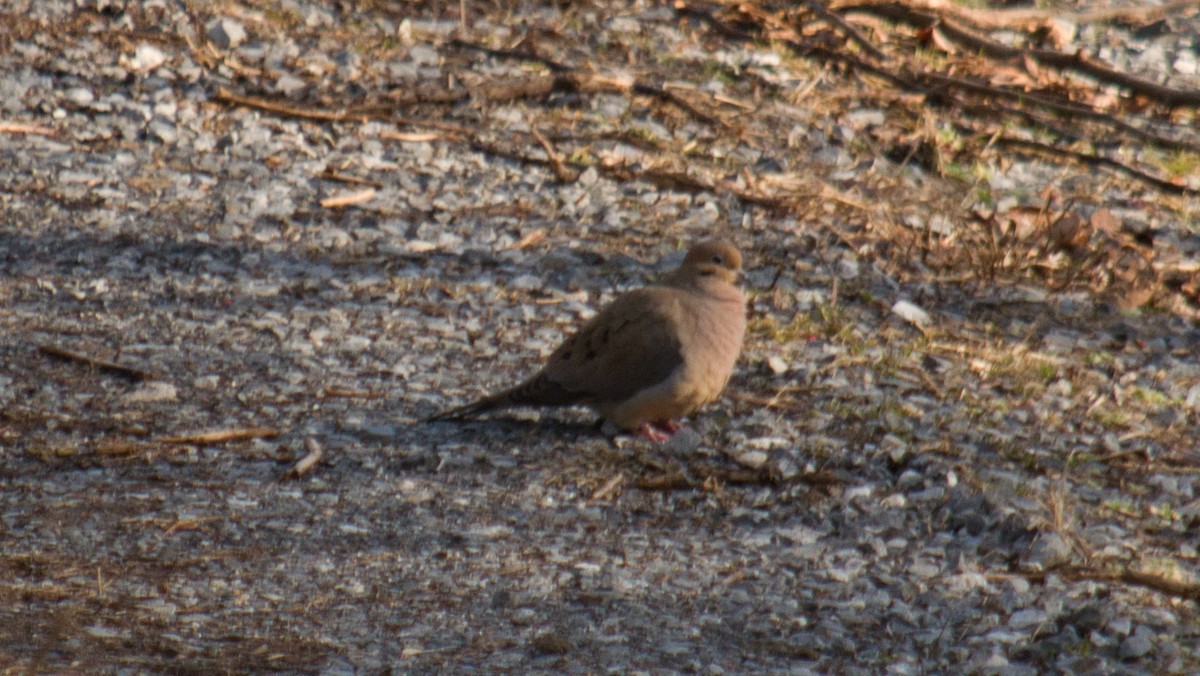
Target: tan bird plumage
650, 356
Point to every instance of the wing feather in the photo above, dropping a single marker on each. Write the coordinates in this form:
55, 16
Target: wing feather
629, 346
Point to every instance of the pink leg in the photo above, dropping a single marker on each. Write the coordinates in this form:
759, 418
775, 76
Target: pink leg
669, 426
650, 432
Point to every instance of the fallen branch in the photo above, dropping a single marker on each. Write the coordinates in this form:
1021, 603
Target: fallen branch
97, 363
1098, 161
1185, 589
1079, 62
1033, 18
565, 78
285, 110
1160, 583
818, 7
222, 436
936, 83
664, 179
331, 175
671, 97
509, 54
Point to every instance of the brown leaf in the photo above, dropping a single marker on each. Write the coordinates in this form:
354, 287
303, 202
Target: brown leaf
1009, 76
1106, 221
1069, 232
1031, 66
1024, 222
1057, 31
942, 42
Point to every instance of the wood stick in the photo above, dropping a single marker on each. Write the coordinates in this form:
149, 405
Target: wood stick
348, 200
221, 436
95, 362
303, 465
609, 488
19, 128
278, 108
561, 172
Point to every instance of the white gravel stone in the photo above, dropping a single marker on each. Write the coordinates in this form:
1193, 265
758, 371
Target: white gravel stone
1139, 644
226, 33
152, 392
145, 58
912, 313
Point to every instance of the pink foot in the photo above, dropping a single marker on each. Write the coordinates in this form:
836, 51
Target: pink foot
668, 426
653, 434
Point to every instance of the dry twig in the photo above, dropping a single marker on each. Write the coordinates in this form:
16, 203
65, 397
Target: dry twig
560, 170
349, 200
18, 128
95, 362
351, 394
330, 175
303, 465
222, 436
277, 108
1078, 61
610, 487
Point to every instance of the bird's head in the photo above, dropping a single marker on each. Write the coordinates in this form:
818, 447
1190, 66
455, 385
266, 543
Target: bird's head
715, 259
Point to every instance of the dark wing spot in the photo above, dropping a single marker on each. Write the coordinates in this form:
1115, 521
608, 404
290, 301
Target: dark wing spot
589, 355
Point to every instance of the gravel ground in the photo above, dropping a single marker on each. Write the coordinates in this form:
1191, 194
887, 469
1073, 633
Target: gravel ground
921, 465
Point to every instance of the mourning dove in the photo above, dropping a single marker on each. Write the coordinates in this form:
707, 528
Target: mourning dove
650, 356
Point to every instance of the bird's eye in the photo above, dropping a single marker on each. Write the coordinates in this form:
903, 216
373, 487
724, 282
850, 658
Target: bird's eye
717, 259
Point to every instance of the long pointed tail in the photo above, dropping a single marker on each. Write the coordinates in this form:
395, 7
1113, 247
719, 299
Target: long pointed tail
482, 406
539, 391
